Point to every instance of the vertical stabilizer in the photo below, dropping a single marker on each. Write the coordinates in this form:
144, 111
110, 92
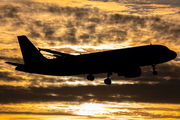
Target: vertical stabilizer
30, 53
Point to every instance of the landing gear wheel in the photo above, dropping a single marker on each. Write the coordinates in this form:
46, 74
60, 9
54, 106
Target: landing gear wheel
107, 81
154, 72
90, 77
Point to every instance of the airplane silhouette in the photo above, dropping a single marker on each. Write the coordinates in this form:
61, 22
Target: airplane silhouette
125, 62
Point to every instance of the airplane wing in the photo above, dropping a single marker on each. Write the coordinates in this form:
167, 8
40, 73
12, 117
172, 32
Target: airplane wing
57, 53
65, 55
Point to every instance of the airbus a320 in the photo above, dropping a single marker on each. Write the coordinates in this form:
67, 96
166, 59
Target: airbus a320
125, 62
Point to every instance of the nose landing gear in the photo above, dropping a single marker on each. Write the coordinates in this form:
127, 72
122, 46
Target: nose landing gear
107, 81
154, 71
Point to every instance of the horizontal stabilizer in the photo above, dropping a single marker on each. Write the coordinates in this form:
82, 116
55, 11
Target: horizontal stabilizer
15, 64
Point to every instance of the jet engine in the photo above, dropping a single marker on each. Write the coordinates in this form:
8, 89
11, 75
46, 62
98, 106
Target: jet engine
20, 68
130, 72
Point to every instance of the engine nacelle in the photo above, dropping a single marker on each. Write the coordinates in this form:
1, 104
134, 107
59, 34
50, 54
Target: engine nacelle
90, 77
130, 72
25, 68
20, 68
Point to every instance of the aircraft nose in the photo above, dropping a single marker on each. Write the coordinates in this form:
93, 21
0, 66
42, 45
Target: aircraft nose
173, 54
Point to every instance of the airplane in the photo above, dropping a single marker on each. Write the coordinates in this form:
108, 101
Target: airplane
125, 62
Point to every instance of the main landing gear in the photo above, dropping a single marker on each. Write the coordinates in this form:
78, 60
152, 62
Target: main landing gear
107, 81
90, 77
154, 71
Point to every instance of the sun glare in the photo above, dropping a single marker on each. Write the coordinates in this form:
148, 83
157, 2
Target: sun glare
91, 109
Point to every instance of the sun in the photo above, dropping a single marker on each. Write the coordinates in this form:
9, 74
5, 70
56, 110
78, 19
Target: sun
91, 106
91, 109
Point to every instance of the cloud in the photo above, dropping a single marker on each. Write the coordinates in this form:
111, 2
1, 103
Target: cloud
166, 92
10, 11
34, 33
11, 59
5, 76
86, 26
51, 23
167, 2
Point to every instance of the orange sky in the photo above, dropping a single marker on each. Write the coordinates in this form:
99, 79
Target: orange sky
82, 26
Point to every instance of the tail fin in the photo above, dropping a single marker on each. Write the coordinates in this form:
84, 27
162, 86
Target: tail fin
30, 53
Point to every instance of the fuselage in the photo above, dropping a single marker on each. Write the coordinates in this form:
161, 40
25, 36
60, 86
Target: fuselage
113, 60
141, 56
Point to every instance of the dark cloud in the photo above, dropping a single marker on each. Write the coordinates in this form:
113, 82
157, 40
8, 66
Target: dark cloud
166, 2
10, 10
70, 36
48, 31
45, 115
91, 28
37, 113
19, 60
34, 33
95, 20
85, 37
166, 30
5, 76
122, 19
86, 25
157, 93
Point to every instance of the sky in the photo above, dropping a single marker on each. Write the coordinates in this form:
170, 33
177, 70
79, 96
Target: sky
81, 27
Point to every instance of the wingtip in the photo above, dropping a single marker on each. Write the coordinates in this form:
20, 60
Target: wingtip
39, 49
